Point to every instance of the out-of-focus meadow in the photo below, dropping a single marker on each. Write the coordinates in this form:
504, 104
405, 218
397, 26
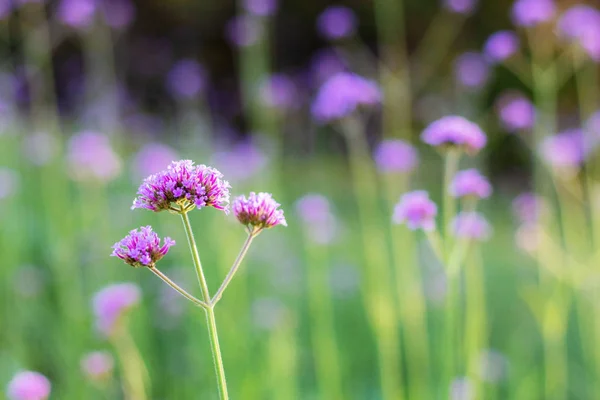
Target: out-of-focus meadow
346, 302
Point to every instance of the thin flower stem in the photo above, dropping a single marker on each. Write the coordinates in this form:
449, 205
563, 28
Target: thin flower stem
234, 268
210, 313
451, 162
178, 288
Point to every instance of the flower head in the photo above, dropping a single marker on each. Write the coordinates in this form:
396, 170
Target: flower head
471, 225
28, 385
470, 183
395, 155
471, 70
110, 303
516, 112
261, 8
336, 22
258, 211
529, 13
460, 6
97, 365
186, 79
501, 46
78, 14
186, 185
141, 248
581, 24
342, 94
455, 131
564, 150
416, 210
243, 30
528, 207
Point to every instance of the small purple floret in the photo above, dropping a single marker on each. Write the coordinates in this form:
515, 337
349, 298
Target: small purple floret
455, 131
28, 385
141, 248
470, 183
336, 22
416, 210
97, 365
186, 185
471, 70
471, 225
110, 303
259, 211
395, 155
501, 46
581, 24
516, 112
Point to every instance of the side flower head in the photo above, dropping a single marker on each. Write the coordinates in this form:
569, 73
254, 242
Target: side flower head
97, 365
515, 111
395, 156
471, 70
470, 183
416, 210
182, 187
111, 302
529, 13
258, 211
501, 46
142, 248
566, 149
455, 131
472, 226
28, 385
336, 22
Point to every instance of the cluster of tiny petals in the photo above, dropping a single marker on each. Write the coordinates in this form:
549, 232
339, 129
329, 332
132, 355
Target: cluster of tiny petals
183, 183
471, 225
455, 131
259, 211
142, 248
416, 210
28, 385
470, 183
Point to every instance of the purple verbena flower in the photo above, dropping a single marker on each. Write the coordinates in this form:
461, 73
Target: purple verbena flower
141, 248
564, 150
416, 210
110, 304
28, 385
501, 46
243, 30
516, 112
279, 91
395, 155
186, 79
97, 365
151, 159
78, 14
471, 70
342, 94
91, 157
581, 24
455, 131
470, 183
460, 6
186, 185
261, 8
259, 211
336, 22
315, 212
528, 207
471, 225
528, 13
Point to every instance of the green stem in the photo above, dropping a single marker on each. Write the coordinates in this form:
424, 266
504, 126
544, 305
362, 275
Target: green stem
179, 289
210, 313
451, 161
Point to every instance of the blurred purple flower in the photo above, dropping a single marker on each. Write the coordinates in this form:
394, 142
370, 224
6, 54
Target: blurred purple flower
471, 225
470, 183
241, 162
186, 79
319, 221
6, 8
90, 157
455, 131
516, 112
185, 184
528, 13
581, 23
493, 366
151, 159
9, 182
118, 14
326, 63
471, 70
592, 125
460, 6
97, 365
261, 8
416, 210
279, 91
565, 149
28, 385
259, 211
501, 46
78, 14
461, 389
110, 303
395, 155
243, 31
142, 248
342, 94
40, 148
528, 207
336, 22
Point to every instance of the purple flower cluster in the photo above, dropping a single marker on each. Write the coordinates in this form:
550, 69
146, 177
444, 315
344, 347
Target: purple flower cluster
336, 22
259, 211
516, 112
470, 183
395, 155
564, 150
460, 6
342, 94
528, 13
243, 30
471, 225
77, 14
581, 24
186, 79
471, 70
141, 248
261, 8
455, 131
416, 210
110, 303
97, 365
501, 46
28, 385
186, 185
